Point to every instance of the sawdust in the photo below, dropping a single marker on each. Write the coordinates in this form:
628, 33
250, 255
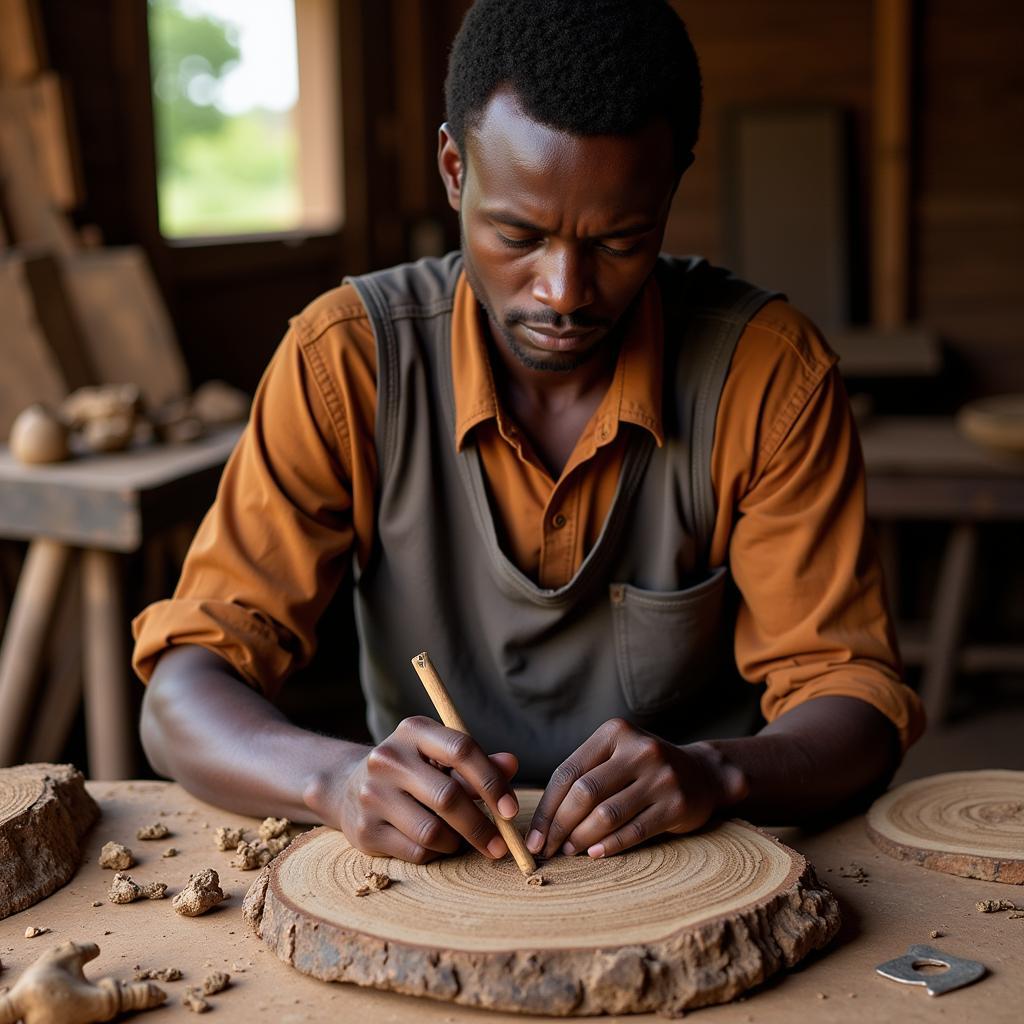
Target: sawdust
375, 882
171, 851
124, 889
856, 872
158, 974
31, 932
227, 838
192, 998
116, 857
158, 830
216, 982
995, 906
202, 893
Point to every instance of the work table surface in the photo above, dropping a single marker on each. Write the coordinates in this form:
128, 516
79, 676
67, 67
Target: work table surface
898, 905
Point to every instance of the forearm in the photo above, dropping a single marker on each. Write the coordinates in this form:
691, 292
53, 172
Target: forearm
815, 758
230, 746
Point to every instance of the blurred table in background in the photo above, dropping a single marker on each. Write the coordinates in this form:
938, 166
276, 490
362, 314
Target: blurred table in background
923, 468
89, 510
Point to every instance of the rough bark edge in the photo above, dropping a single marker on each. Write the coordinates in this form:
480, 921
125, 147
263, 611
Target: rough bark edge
966, 865
700, 965
40, 848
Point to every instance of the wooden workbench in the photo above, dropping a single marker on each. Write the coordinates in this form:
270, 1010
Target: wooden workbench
900, 904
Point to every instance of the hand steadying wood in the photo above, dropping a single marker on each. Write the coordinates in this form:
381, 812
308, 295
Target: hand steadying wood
54, 990
450, 716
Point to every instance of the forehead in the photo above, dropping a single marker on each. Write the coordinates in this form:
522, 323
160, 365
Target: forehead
515, 158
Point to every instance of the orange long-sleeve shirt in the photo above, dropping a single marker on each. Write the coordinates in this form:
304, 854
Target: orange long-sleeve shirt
297, 500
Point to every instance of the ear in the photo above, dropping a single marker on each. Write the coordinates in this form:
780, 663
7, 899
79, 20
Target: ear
450, 165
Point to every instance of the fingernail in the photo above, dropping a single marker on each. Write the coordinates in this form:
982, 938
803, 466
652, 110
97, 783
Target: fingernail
508, 806
596, 851
497, 848
534, 841
568, 849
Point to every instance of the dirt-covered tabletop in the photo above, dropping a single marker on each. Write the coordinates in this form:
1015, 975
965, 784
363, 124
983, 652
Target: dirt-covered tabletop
887, 906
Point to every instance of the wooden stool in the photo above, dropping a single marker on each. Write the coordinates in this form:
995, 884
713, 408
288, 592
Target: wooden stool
100, 506
922, 468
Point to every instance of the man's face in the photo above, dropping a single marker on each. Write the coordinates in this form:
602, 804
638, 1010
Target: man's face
559, 232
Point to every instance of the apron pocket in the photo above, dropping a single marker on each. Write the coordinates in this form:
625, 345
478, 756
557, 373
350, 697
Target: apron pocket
667, 642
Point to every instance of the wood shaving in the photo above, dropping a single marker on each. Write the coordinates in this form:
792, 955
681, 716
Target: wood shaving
995, 906
272, 828
32, 932
158, 974
192, 998
202, 893
228, 838
216, 982
171, 851
158, 830
116, 857
537, 880
375, 882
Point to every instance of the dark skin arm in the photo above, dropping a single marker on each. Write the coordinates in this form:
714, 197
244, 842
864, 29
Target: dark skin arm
624, 785
226, 744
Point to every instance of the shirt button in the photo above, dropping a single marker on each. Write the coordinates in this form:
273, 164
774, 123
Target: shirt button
558, 520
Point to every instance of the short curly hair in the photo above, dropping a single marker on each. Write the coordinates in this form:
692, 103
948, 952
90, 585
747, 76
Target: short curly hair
586, 67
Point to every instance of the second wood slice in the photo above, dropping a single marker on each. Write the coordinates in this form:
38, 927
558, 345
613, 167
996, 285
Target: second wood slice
685, 922
963, 823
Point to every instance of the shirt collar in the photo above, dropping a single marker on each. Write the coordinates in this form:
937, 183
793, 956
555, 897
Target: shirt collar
634, 395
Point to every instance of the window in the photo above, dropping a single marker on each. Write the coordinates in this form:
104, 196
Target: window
246, 110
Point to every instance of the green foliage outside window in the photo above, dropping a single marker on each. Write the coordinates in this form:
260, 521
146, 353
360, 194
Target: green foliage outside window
218, 173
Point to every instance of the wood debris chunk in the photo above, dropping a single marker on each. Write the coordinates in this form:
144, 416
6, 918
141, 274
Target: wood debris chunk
158, 830
936, 933
97, 903
192, 998
1017, 915
995, 906
124, 889
202, 893
116, 857
272, 828
171, 851
158, 974
228, 838
536, 880
32, 932
375, 882
216, 982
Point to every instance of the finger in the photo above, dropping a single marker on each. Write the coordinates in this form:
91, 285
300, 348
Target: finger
441, 793
587, 793
507, 764
591, 753
388, 841
457, 750
609, 815
650, 822
419, 825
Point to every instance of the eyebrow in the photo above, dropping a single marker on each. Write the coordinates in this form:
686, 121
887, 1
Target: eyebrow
513, 221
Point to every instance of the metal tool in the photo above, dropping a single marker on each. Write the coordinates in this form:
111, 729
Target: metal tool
906, 969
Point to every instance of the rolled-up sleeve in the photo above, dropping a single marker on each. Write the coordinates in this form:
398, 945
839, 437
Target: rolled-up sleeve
279, 538
813, 619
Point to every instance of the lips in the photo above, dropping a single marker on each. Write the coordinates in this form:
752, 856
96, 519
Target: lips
558, 341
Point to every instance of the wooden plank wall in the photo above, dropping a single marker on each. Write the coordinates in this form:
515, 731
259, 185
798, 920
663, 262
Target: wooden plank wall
967, 179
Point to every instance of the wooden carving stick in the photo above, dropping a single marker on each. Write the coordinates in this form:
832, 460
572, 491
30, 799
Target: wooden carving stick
442, 701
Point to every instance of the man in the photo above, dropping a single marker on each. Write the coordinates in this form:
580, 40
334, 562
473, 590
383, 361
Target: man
543, 456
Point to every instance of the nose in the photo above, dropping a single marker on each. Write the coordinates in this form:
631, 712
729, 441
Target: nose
563, 280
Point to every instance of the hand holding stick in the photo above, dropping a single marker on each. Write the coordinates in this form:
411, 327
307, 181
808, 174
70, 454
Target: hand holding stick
442, 702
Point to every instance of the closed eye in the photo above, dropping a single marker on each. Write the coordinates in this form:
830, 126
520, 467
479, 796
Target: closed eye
515, 243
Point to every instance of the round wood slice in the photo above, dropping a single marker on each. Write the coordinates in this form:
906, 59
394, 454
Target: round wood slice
688, 921
44, 813
963, 823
